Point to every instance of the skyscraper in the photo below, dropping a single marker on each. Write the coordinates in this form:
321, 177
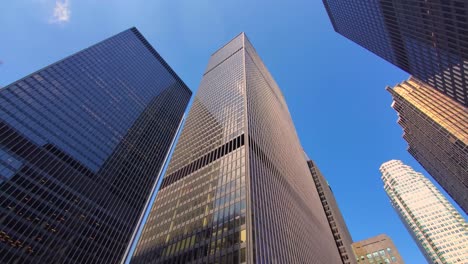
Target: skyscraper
335, 219
436, 129
426, 38
237, 189
439, 230
82, 142
377, 250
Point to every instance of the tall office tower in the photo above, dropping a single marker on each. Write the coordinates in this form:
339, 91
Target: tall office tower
237, 189
427, 38
436, 130
377, 250
335, 219
438, 229
82, 142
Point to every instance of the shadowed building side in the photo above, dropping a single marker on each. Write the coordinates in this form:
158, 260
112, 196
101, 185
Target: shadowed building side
335, 219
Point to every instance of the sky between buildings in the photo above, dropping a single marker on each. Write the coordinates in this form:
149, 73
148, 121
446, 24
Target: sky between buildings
335, 89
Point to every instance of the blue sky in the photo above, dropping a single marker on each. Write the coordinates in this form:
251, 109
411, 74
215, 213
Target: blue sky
335, 89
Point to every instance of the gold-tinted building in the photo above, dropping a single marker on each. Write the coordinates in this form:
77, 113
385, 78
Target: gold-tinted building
377, 250
237, 189
436, 129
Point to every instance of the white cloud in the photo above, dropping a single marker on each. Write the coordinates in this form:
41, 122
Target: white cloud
61, 12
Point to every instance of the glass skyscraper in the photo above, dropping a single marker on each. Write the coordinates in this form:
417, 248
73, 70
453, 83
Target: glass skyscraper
426, 38
237, 189
335, 219
436, 129
82, 143
439, 230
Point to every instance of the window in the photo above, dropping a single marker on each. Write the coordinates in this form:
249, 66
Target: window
9, 164
243, 236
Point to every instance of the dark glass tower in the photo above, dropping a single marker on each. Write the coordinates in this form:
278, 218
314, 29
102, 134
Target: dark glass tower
335, 219
237, 189
82, 142
426, 38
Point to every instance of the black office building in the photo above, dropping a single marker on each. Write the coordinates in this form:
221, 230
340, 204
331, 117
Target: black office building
82, 143
426, 38
337, 224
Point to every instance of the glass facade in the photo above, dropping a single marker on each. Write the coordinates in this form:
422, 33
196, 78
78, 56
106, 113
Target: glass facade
200, 211
237, 189
439, 230
81, 145
428, 39
335, 219
436, 129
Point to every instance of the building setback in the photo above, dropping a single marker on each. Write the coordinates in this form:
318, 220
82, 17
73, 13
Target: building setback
426, 38
82, 142
237, 189
438, 229
377, 250
436, 129
335, 219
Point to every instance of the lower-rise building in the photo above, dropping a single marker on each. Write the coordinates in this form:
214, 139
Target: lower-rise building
377, 250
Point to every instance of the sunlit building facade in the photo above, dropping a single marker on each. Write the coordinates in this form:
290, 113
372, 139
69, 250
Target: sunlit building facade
436, 129
377, 250
82, 142
335, 219
439, 230
237, 189
426, 38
